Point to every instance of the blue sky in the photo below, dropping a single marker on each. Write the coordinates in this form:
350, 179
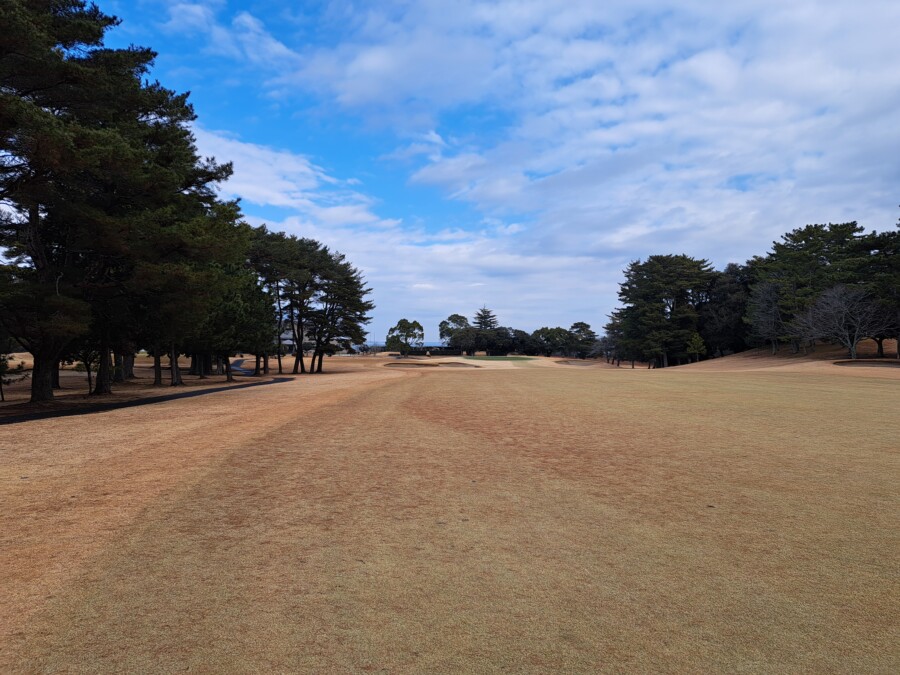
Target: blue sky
519, 154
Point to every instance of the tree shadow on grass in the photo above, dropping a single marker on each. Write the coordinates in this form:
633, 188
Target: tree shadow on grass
115, 405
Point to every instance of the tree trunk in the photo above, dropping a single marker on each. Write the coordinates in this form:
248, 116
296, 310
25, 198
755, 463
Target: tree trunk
55, 375
265, 364
119, 369
42, 377
665, 360
280, 322
87, 367
880, 343
229, 376
319, 365
174, 369
103, 383
128, 360
157, 368
256, 366
853, 350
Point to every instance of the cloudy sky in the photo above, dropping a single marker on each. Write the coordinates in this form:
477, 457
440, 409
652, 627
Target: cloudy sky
518, 154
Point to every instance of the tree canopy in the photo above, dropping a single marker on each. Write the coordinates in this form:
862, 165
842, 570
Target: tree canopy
112, 234
405, 336
833, 282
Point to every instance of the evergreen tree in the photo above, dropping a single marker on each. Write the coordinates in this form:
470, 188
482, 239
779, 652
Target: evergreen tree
485, 319
94, 158
583, 339
722, 326
450, 326
805, 263
663, 296
553, 340
339, 310
403, 337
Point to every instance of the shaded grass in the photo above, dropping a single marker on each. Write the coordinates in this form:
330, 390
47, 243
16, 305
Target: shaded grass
526, 520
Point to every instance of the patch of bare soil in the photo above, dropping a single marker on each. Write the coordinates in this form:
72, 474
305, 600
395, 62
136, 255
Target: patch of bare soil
528, 519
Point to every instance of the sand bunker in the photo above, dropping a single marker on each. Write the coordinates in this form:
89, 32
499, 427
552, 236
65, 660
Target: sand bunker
430, 365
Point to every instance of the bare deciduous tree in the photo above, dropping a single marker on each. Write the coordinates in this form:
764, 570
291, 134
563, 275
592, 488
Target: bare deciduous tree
844, 314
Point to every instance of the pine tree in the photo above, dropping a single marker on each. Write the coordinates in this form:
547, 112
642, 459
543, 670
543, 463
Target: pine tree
662, 296
485, 319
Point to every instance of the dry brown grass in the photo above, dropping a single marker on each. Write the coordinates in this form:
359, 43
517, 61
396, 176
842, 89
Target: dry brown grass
533, 518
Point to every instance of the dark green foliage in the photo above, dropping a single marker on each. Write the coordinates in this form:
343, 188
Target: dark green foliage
582, 339
829, 282
453, 324
523, 343
805, 263
485, 335
813, 260
406, 335
98, 164
485, 319
553, 341
339, 309
662, 299
319, 296
112, 233
721, 317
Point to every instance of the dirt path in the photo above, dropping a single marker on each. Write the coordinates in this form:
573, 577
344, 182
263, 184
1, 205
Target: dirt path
526, 519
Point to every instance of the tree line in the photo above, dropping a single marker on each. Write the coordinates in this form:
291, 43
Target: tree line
112, 235
831, 282
484, 333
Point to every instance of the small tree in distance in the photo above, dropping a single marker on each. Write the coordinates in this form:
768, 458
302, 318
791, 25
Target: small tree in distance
695, 347
403, 337
451, 325
485, 319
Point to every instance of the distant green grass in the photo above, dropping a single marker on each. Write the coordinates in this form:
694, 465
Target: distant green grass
499, 358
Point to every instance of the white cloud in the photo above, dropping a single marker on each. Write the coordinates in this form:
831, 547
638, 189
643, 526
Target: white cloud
602, 132
265, 176
187, 17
